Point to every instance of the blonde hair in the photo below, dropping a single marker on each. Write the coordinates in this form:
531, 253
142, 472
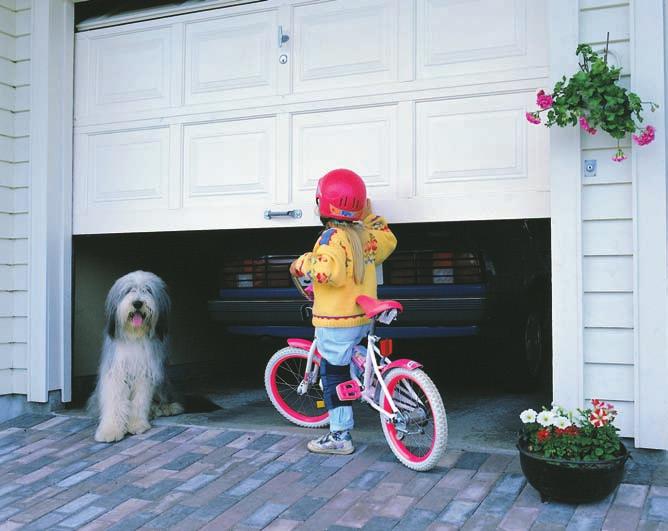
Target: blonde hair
355, 233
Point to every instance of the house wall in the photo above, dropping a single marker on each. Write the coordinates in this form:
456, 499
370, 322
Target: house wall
607, 235
15, 22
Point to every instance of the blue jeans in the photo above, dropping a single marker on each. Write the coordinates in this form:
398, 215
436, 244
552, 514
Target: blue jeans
336, 348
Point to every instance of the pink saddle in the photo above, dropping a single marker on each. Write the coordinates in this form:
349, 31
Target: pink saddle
373, 307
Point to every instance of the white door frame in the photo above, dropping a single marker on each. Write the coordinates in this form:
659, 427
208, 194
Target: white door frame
650, 230
50, 257
565, 211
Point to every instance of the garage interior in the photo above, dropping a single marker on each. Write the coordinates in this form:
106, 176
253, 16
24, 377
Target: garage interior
220, 373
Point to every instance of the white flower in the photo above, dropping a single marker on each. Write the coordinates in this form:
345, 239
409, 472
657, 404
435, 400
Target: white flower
545, 418
561, 422
528, 416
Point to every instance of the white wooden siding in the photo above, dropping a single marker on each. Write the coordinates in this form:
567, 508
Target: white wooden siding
607, 237
14, 141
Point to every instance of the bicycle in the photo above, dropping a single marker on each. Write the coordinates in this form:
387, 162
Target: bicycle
411, 409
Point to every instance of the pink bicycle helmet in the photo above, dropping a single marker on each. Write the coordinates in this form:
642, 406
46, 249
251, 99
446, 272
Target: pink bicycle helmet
341, 194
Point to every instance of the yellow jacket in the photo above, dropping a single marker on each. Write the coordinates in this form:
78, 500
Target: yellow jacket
330, 266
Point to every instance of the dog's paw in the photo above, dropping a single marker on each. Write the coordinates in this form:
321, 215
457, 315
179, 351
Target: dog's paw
107, 433
137, 426
173, 409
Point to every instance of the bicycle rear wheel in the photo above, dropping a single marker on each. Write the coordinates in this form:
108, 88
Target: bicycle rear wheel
420, 438
284, 373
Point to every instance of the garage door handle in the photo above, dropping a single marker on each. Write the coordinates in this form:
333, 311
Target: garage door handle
295, 214
282, 38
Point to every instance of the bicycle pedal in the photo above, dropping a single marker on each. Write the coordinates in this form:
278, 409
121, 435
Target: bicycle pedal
349, 390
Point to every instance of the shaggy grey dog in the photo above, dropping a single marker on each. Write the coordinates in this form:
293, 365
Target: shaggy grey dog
132, 385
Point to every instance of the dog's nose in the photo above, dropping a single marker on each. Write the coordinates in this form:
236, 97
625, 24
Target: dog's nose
137, 304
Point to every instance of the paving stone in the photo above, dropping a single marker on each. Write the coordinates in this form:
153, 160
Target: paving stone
167, 433
529, 497
519, 518
160, 489
79, 503
510, 484
657, 508
543, 526
82, 517
368, 480
482, 522
171, 516
496, 463
356, 516
380, 523
24, 421
265, 441
416, 519
556, 513
585, 523
474, 491
76, 478
133, 522
182, 461
497, 503
457, 512
8, 512
264, 515
471, 460
658, 491
48, 521
621, 518
196, 482
436, 499
631, 495
456, 478
597, 509
214, 508
282, 524
638, 473
660, 476
302, 509
652, 525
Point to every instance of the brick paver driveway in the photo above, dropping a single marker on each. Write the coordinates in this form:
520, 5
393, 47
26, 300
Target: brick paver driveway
53, 475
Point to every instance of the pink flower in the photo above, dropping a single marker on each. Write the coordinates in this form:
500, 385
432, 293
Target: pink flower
645, 137
544, 101
599, 418
585, 125
533, 117
619, 156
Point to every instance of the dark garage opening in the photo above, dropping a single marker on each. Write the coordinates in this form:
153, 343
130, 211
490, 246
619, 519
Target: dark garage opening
477, 298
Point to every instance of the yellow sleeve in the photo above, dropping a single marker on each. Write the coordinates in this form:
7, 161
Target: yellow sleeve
328, 260
386, 241
303, 265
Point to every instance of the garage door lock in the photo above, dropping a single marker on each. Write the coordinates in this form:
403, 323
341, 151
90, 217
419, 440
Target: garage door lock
295, 214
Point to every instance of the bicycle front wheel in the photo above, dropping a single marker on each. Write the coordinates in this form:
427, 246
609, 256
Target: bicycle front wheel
284, 372
419, 438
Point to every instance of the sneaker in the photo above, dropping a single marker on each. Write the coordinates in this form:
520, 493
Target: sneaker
335, 442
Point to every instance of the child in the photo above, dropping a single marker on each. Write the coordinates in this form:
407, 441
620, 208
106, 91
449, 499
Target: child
342, 266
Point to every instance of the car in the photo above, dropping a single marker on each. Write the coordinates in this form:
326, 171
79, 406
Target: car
488, 279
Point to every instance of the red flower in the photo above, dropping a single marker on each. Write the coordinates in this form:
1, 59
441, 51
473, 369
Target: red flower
567, 432
543, 434
599, 417
544, 101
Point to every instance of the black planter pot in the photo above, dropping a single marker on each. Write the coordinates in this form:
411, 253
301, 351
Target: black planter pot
571, 481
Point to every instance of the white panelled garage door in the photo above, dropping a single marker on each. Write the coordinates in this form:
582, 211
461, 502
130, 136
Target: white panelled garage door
206, 120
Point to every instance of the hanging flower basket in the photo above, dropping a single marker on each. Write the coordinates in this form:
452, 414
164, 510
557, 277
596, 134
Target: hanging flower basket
574, 458
593, 99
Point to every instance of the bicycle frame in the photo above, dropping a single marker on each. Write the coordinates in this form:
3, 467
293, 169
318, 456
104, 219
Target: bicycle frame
371, 371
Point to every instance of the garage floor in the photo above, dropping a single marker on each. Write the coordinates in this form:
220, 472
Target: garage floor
482, 414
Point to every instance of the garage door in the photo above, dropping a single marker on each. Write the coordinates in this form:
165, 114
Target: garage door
211, 119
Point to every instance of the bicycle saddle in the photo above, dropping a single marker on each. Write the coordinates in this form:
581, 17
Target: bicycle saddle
373, 307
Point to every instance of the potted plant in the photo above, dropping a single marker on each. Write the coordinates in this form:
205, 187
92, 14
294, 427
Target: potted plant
572, 457
593, 98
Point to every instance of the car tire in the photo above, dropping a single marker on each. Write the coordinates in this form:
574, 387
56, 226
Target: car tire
528, 354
